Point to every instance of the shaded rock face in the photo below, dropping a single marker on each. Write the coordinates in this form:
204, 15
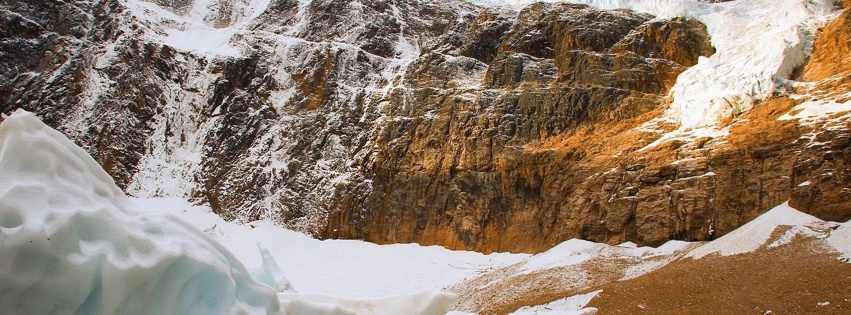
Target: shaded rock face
430, 122
51, 56
665, 39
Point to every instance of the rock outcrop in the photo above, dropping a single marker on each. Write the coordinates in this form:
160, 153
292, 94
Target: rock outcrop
432, 122
832, 50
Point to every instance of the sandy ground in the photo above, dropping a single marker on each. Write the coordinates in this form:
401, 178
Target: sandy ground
800, 278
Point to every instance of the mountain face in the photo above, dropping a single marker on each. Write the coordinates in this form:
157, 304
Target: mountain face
437, 122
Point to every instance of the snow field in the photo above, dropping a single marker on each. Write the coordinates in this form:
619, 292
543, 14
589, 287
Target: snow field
349, 269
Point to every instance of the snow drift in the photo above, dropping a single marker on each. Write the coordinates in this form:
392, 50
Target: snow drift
71, 242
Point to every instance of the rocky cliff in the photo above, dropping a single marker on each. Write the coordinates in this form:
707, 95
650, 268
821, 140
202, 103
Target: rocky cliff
447, 123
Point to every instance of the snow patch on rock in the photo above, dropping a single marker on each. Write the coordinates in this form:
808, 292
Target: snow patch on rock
576, 251
73, 243
840, 240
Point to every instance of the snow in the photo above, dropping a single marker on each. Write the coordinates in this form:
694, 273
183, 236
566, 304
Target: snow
73, 243
194, 32
811, 110
840, 240
431, 302
758, 232
573, 305
568, 253
576, 251
203, 40
346, 268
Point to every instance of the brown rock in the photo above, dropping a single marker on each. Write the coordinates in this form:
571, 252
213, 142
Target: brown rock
680, 40
546, 30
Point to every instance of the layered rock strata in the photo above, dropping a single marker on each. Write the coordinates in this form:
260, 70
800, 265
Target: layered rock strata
432, 122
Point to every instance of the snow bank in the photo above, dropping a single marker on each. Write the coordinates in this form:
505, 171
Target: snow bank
423, 303
758, 44
840, 240
573, 305
761, 232
72, 243
576, 251
348, 269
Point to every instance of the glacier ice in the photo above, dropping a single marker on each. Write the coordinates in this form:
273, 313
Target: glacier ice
71, 242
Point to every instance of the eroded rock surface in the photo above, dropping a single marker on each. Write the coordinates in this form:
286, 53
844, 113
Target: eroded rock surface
430, 122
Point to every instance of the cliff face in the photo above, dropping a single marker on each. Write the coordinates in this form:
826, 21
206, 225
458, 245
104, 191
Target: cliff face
462, 164
432, 122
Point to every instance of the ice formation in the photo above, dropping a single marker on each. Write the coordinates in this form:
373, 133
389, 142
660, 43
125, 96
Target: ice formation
73, 243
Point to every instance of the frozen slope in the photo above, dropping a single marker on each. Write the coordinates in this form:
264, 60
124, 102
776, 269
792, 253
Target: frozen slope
72, 242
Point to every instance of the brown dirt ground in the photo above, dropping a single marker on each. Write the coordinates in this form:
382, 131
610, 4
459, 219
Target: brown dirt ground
505, 290
790, 279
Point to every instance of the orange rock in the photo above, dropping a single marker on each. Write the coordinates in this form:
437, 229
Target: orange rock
832, 49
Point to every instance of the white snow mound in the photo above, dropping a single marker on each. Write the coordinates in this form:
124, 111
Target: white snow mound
761, 232
73, 243
576, 251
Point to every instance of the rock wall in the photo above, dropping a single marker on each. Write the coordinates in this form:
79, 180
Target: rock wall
431, 122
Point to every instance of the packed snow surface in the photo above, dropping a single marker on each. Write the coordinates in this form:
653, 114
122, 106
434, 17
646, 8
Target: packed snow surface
840, 240
762, 232
73, 243
758, 44
576, 251
346, 268
573, 305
